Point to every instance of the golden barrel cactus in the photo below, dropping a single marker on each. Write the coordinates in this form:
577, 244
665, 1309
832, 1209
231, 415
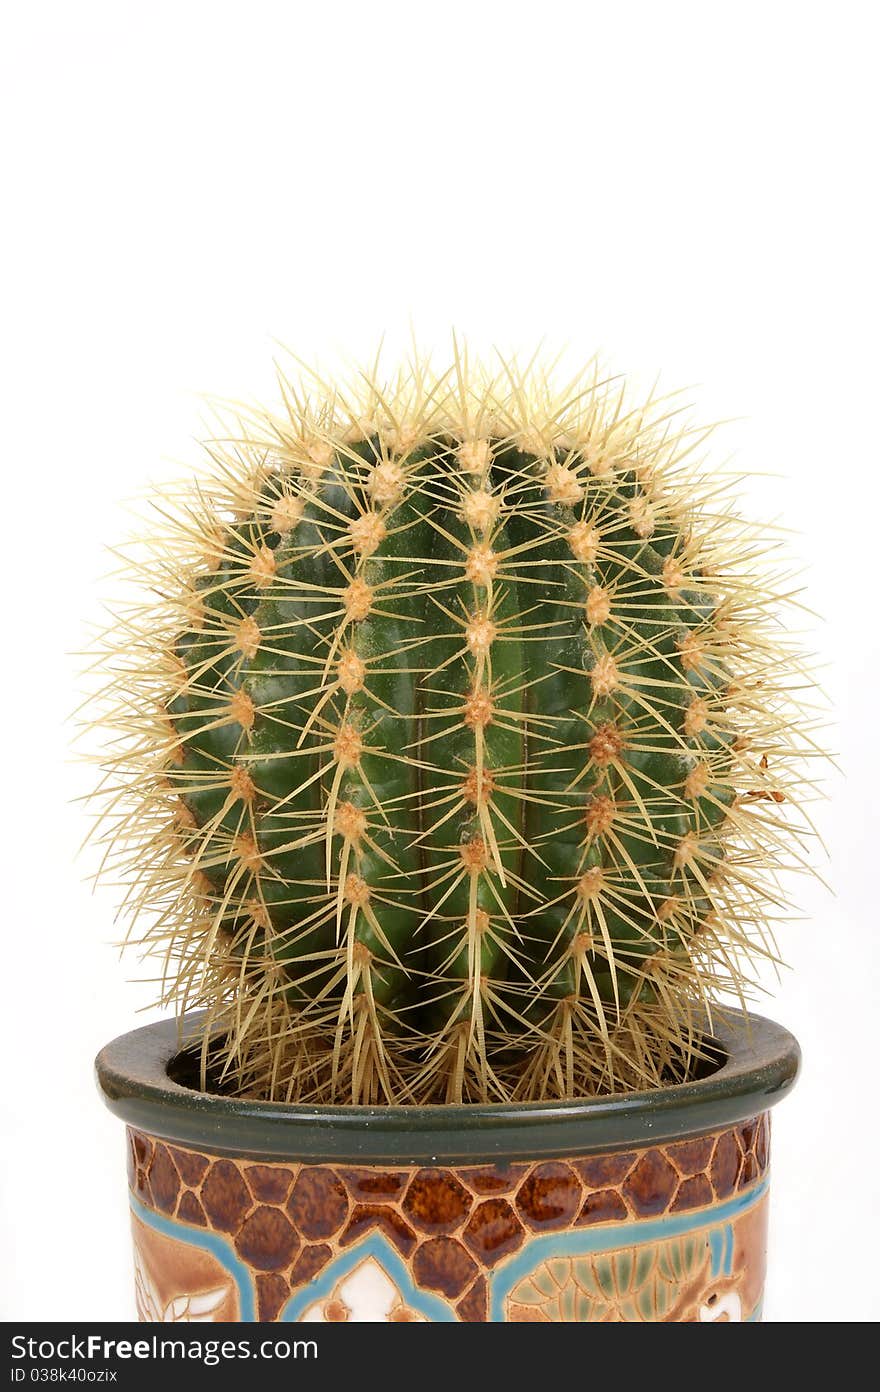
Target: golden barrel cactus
454, 741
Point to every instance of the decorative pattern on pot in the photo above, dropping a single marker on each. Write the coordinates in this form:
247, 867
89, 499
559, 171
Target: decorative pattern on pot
667, 1233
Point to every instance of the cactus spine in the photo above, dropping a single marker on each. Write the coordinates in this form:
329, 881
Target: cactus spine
458, 758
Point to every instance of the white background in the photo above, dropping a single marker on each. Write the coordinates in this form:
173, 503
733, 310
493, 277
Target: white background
686, 187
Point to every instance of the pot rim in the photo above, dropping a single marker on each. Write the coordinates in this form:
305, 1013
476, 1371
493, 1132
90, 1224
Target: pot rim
761, 1063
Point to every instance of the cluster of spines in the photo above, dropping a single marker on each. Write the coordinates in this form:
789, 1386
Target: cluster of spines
457, 766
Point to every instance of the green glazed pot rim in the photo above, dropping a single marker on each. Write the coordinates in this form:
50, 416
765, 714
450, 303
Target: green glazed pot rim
760, 1064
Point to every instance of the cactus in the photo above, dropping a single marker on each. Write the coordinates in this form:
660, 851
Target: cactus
455, 751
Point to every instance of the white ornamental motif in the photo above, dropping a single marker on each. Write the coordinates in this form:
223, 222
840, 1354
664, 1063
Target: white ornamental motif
726, 1308
367, 1295
201, 1308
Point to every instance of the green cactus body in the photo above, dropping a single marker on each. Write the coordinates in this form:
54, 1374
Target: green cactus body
456, 756
452, 751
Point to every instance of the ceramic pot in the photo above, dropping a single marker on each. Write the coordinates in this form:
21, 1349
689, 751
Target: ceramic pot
645, 1207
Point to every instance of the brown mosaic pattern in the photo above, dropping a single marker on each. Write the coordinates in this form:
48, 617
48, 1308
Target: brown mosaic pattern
451, 1225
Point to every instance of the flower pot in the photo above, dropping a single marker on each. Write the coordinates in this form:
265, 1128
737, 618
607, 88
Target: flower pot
641, 1206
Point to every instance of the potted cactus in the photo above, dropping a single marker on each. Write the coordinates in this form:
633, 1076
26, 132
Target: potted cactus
453, 753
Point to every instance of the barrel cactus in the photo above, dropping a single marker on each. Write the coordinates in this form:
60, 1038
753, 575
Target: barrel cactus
454, 750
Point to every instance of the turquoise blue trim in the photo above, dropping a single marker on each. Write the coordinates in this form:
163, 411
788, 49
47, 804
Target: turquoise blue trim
432, 1306
721, 1247
583, 1243
716, 1248
218, 1246
728, 1254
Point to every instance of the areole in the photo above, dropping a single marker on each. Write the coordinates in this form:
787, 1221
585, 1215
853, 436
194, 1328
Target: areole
633, 1207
